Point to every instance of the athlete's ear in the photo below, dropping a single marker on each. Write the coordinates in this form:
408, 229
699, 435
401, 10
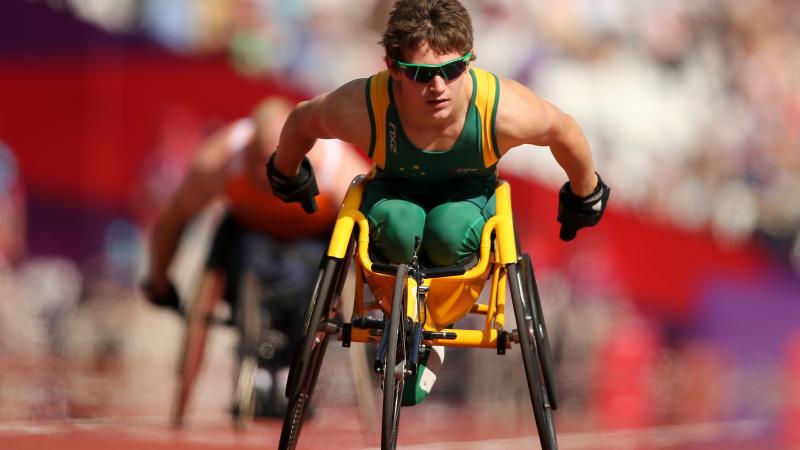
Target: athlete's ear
392, 67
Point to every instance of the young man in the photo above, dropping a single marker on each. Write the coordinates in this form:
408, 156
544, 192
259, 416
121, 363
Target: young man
277, 243
435, 126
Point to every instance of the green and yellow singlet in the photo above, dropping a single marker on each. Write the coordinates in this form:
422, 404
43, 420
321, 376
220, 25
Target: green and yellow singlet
472, 159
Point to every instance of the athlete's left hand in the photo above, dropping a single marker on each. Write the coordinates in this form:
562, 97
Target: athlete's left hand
575, 212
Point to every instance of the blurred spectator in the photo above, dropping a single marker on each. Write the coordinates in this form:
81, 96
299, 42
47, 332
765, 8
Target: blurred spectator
173, 24
50, 288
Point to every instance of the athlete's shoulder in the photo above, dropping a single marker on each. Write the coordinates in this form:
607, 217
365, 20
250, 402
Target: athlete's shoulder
345, 113
347, 93
522, 116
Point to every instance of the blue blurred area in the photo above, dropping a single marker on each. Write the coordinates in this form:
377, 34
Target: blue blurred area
753, 320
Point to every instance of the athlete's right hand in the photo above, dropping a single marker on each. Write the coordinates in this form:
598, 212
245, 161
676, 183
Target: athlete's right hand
299, 188
165, 296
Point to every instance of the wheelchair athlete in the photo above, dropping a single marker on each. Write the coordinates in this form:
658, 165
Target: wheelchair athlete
435, 127
260, 235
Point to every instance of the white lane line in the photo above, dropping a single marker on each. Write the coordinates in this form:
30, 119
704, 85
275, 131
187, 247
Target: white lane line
155, 430
148, 429
654, 437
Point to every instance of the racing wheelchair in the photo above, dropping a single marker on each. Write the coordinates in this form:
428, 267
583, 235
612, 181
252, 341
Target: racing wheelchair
419, 306
260, 279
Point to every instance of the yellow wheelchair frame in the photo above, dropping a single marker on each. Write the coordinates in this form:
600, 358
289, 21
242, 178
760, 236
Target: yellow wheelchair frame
433, 300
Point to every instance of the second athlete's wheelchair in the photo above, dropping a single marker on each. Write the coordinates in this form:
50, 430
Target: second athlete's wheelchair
419, 306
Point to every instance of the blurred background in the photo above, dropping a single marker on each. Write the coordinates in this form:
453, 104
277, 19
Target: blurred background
681, 307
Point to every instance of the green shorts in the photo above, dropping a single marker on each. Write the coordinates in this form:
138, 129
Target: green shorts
448, 216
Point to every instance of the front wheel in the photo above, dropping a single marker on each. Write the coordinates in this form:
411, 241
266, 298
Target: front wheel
533, 308
308, 357
542, 409
394, 368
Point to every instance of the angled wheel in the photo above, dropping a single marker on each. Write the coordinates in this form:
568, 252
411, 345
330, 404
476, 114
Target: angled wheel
542, 409
308, 356
394, 369
533, 308
211, 287
244, 398
248, 322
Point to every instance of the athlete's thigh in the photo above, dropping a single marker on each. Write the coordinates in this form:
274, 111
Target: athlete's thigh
394, 222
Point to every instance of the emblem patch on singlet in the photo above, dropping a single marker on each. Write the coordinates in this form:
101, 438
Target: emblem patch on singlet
392, 138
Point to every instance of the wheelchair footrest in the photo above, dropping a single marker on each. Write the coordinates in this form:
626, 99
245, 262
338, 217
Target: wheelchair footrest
503, 342
373, 325
449, 335
347, 334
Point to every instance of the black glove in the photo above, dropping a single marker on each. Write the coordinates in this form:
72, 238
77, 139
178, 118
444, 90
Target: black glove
168, 299
576, 212
300, 188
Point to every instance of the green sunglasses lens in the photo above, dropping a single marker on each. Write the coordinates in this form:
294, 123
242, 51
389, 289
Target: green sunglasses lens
454, 69
423, 74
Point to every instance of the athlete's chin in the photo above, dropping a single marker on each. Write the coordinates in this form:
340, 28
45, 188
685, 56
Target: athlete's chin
439, 110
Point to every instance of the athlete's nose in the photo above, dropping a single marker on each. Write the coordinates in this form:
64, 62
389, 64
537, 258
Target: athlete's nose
437, 84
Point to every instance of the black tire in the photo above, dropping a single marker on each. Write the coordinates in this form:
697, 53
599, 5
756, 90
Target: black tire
311, 351
542, 411
393, 382
248, 323
533, 309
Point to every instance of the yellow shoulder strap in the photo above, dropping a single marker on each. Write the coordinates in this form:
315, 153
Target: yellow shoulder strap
487, 94
378, 104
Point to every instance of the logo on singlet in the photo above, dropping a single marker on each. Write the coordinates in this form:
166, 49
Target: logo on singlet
392, 138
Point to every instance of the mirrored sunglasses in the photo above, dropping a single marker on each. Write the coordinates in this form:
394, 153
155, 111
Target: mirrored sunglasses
424, 73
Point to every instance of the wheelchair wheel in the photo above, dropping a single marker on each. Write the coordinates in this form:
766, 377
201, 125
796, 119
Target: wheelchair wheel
394, 368
308, 356
542, 410
533, 308
244, 396
248, 322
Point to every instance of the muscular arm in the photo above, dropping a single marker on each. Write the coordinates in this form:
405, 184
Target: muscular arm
340, 114
524, 118
205, 179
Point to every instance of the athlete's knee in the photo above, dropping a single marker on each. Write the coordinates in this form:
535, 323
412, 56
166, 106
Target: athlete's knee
395, 225
442, 249
451, 235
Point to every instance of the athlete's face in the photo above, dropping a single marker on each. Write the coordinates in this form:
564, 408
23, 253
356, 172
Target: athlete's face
438, 96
